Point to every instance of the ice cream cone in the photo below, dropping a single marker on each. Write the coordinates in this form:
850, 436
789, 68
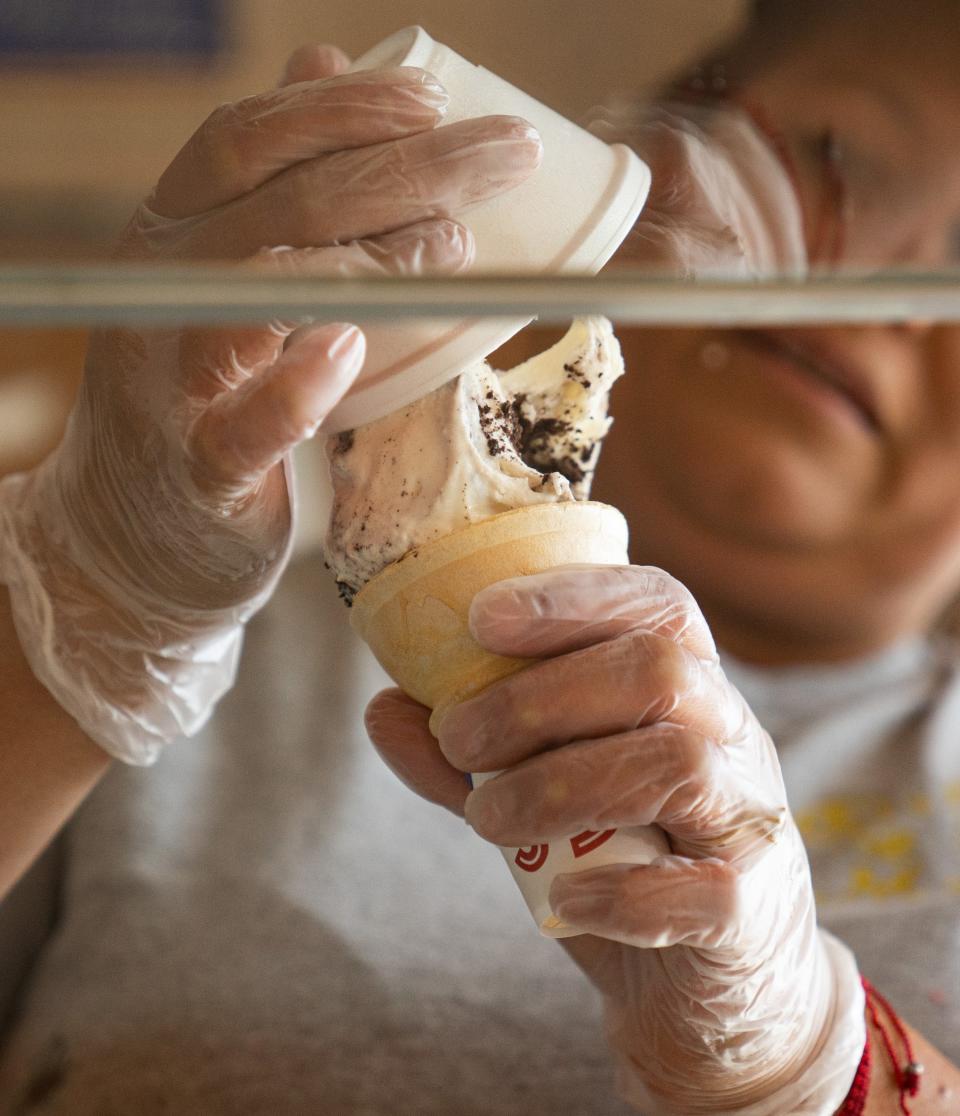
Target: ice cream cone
413, 616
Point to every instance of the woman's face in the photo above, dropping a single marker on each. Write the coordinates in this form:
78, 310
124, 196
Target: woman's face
806, 482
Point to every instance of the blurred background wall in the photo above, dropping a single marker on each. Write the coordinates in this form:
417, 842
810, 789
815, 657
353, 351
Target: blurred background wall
84, 136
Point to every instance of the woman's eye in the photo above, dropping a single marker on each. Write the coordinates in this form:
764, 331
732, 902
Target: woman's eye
831, 151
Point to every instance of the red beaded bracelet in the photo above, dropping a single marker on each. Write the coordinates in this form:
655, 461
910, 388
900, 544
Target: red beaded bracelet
906, 1076
856, 1100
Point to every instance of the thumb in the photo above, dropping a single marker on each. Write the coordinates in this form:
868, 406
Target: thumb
397, 726
314, 62
242, 434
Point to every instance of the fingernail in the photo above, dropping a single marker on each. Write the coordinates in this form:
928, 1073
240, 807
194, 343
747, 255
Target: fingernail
288, 326
526, 132
433, 93
454, 249
522, 134
467, 249
428, 88
350, 346
463, 747
332, 58
479, 814
506, 155
570, 902
440, 244
490, 605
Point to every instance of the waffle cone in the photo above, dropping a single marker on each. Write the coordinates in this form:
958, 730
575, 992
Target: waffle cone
413, 615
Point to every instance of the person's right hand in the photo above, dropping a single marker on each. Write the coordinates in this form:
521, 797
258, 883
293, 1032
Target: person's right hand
722, 995
136, 552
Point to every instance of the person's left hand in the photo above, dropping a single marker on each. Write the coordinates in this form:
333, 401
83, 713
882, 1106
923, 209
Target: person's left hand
136, 553
720, 989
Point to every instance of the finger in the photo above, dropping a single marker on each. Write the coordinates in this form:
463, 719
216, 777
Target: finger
661, 775
613, 687
245, 143
216, 359
222, 358
314, 62
397, 726
572, 607
243, 433
434, 247
673, 901
630, 779
371, 190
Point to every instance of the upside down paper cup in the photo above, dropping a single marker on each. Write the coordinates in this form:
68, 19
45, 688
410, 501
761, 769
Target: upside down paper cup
413, 616
570, 216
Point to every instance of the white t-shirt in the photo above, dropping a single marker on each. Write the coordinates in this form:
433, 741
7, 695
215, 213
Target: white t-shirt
871, 759
267, 922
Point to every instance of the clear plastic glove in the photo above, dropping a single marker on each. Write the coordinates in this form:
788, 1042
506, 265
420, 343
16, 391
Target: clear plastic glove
722, 202
136, 552
722, 995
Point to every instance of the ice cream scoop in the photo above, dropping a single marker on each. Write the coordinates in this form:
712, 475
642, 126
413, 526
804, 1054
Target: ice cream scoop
480, 445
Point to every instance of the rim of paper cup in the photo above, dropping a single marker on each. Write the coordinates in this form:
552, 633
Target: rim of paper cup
581, 516
410, 46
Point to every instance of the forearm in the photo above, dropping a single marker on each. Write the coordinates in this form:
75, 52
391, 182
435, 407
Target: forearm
47, 764
135, 648
940, 1084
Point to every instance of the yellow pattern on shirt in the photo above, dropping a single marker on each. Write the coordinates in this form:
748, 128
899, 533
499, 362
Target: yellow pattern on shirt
869, 846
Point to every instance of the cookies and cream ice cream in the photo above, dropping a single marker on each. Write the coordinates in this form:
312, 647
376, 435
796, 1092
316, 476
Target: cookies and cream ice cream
485, 479
484, 443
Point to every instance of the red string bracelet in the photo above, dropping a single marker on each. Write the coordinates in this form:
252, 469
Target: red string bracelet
906, 1075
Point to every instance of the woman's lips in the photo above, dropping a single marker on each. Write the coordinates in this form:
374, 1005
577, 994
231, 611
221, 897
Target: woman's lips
818, 359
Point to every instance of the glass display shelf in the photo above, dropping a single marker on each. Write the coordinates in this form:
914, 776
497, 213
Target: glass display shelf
118, 294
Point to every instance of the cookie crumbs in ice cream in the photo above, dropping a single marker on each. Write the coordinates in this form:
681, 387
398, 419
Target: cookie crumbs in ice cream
500, 424
479, 445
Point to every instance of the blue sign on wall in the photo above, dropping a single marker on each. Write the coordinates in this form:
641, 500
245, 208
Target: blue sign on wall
111, 26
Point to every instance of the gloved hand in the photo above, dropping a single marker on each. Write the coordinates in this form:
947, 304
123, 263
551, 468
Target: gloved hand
136, 552
722, 996
722, 201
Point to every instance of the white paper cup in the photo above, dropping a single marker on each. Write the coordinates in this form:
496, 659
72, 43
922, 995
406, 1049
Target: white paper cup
569, 216
534, 868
